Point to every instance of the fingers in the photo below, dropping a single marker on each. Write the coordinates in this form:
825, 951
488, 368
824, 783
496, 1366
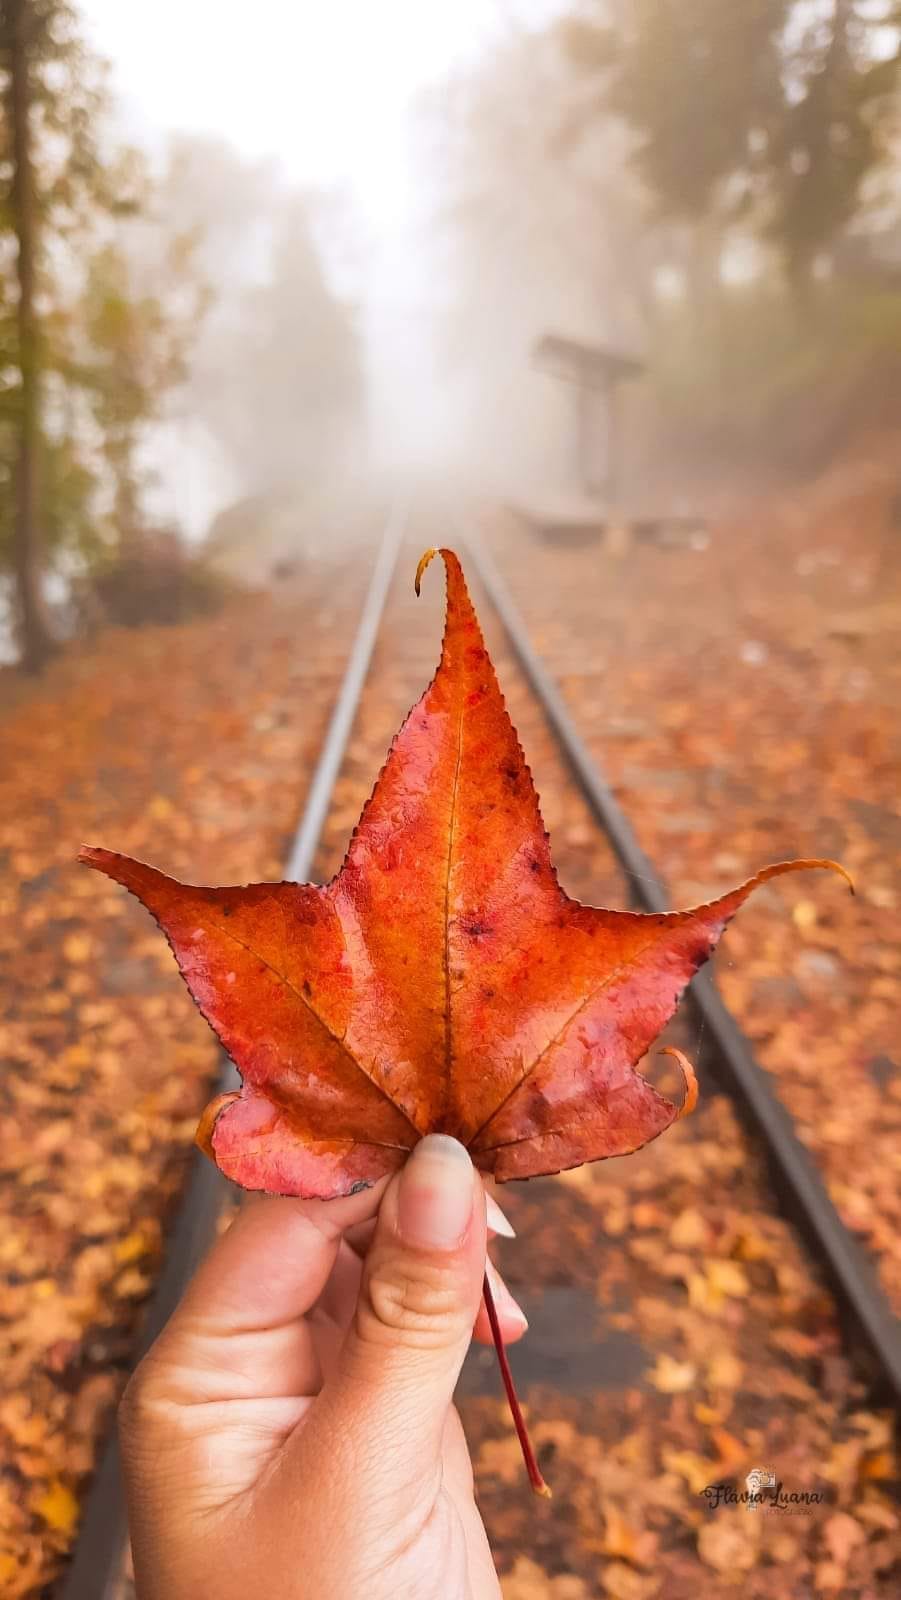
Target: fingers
339, 1297
420, 1291
273, 1263
359, 1237
239, 1330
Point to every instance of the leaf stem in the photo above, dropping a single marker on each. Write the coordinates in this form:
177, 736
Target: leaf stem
528, 1454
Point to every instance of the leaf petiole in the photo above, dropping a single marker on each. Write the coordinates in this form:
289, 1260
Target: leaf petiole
522, 1432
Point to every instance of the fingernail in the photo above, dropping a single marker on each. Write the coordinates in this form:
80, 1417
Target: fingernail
435, 1195
497, 1222
508, 1309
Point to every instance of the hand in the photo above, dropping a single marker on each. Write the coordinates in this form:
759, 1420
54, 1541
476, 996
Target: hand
291, 1435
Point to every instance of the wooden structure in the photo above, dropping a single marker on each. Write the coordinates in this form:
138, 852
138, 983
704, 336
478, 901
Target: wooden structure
596, 502
596, 374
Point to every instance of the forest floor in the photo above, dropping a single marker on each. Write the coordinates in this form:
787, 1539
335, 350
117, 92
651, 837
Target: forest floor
743, 700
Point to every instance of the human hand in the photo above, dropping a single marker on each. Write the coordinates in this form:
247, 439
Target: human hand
291, 1435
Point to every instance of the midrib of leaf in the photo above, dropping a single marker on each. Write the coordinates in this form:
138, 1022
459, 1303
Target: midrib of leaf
335, 1037
448, 1040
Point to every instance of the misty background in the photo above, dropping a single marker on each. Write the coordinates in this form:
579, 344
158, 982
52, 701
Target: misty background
290, 257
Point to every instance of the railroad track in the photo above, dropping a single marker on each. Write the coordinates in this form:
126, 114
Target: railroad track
870, 1329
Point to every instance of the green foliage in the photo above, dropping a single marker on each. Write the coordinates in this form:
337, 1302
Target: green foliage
109, 347
696, 80
776, 388
772, 111
133, 348
156, 580
71, 532
830, 134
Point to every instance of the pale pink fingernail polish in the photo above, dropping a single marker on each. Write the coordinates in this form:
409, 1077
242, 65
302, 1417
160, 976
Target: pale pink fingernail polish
435, 1195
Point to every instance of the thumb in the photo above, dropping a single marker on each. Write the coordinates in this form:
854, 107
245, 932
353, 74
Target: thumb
419, 1297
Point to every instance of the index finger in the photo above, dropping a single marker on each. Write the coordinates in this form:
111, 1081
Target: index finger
273, 1263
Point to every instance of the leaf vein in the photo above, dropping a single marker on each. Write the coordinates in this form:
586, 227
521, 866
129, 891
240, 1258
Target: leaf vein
336, 1038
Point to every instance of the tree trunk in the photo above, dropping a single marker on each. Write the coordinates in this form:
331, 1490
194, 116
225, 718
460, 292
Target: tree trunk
35, 636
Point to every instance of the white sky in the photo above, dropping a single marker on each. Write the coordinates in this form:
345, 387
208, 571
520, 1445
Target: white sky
323, 85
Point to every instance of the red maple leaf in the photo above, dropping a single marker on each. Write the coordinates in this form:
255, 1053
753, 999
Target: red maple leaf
443, 981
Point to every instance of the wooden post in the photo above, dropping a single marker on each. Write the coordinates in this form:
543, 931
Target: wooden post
583, 436
613, 444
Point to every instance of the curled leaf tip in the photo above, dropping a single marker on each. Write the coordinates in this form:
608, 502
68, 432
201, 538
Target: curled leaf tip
689, 1080
801, 864
203, 1138
830, 866
843, 873
424, 560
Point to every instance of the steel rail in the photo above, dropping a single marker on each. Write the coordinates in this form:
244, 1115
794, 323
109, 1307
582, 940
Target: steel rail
96, 1567
795, 1175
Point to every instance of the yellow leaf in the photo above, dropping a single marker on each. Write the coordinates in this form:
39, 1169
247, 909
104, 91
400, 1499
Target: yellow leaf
842, 1534
77, 947
729, 1278
720, 1279
58, 1507
132, 1284
724, 1371
698, 1471
620, 1538
702, 1294
730, 1542
709, 1416
671, 1376
689, 1231
576, 1178
621, 1583
132, 1247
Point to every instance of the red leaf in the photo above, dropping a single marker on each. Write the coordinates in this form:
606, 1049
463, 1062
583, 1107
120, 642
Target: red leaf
443, 981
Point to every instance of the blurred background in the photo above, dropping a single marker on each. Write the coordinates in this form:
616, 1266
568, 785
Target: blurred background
620, 282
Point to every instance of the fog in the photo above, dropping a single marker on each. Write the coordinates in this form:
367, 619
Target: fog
423, 160
389, 207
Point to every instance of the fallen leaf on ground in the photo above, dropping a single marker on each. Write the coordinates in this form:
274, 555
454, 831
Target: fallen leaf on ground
842, 1534
729, 1540
671, 1376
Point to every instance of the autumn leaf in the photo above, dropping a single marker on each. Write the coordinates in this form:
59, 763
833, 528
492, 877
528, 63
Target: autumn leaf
58, 1507
443, 981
